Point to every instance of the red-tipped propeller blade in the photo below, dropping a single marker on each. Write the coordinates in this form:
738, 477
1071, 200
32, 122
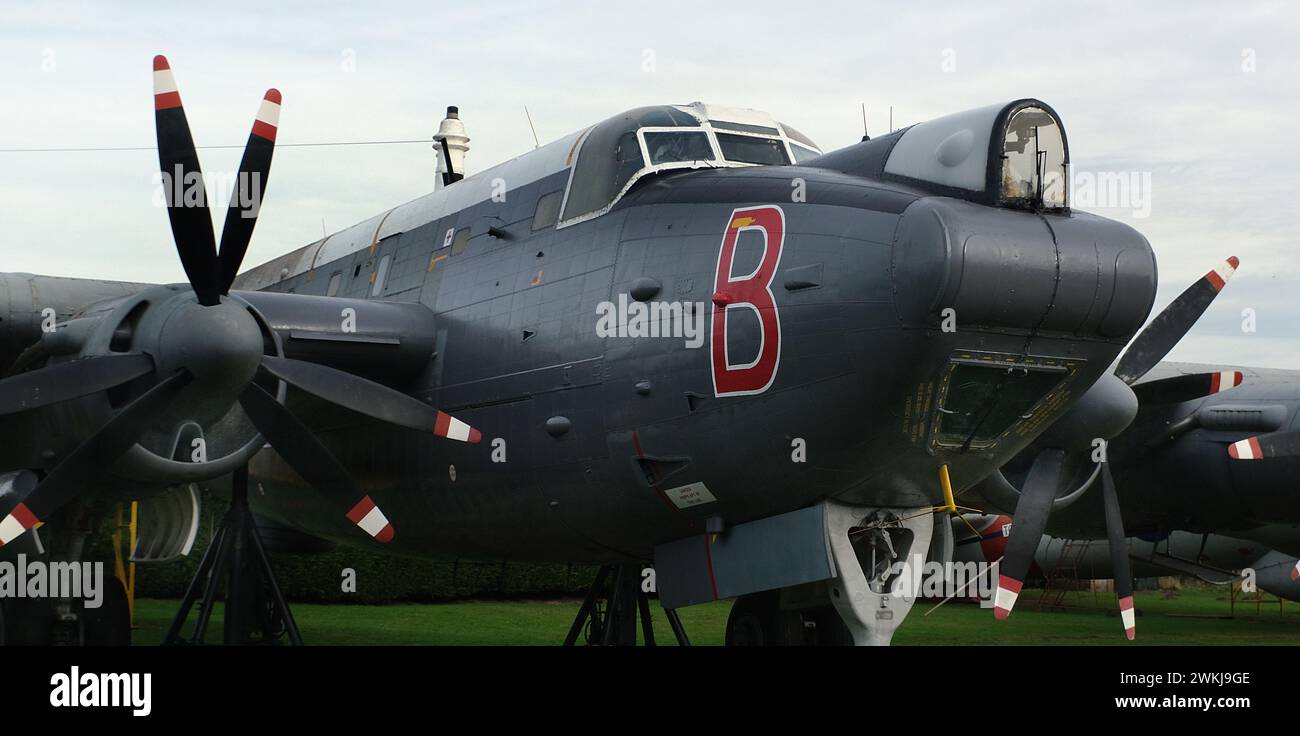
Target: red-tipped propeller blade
1032, 511
246, 199
311, 460
1276, 445
187, 196
91, 459
369, 398
1186, 388
1118, 542
1158, 338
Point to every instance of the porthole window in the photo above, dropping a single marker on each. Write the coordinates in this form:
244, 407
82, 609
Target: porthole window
335, 281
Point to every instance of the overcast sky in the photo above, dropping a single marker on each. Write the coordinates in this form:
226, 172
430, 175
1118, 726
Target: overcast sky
1203, 100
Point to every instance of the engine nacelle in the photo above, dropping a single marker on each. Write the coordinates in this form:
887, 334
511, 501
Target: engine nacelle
204, 433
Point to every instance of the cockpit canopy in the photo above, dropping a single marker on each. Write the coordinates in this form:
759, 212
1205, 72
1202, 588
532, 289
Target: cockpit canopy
614, 154
1014, 155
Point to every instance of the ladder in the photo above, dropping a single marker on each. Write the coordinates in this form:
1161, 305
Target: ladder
1063, 577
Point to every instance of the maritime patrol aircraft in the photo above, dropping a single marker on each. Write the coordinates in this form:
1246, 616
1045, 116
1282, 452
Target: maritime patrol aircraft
683, 335
1202, 476
1213, 558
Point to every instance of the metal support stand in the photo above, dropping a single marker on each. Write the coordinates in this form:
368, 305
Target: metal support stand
870, 593
609, 613
235, 551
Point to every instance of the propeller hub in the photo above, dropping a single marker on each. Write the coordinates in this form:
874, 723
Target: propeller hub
1103, 412
221, 345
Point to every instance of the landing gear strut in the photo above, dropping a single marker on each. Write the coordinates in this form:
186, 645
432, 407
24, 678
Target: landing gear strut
873, 552
612, 606
236, 550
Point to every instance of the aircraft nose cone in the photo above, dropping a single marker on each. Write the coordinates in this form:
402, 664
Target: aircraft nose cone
997, 268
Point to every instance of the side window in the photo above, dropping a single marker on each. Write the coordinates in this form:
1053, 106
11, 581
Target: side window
380, 274
548, 210
460, 241
335, 281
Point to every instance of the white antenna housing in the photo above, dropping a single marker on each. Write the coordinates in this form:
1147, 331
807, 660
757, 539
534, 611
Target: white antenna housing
452, 144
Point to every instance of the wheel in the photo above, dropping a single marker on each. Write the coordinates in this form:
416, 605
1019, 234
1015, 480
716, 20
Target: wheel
110, 624
25, 622
756, 620
828, 628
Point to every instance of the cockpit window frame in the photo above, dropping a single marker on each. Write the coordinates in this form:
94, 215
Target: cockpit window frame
990, 193
648, 169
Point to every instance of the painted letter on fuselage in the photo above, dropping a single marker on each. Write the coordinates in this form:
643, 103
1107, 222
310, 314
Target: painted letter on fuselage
748, 292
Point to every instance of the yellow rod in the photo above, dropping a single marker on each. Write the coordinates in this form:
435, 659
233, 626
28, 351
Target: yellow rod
949, 503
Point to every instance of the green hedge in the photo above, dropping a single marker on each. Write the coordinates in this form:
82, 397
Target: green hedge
379, 578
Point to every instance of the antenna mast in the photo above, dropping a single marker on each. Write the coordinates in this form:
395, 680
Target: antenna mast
536, 143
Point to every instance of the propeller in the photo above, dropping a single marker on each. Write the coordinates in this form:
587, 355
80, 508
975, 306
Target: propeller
1117, 540
70, 380
1030, 520
1096, 410
186, 195
89, 459
1163, 333
214, 347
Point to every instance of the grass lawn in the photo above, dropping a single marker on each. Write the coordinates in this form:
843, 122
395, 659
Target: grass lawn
1195, 616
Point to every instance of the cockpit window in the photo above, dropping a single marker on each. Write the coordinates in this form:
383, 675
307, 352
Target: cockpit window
627, 159
798, 137
801, 153
744, 127
673, 146
611, 155
1010, 155
1033, 159
614, 154
751, 149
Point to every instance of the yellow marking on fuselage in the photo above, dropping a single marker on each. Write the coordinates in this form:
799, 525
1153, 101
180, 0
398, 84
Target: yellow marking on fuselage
569, 159
742, 222
435, 260
374, 239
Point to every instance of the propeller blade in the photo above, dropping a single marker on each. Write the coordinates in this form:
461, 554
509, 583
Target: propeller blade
69, 380
187, 197
1032, 510
1278, 444
1118, 542
1295, 571
369, 398
246, 199
91, 459
311, 460
1186, 388
1158, 338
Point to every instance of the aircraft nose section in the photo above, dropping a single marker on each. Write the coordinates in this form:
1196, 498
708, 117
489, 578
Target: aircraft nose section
1078, 275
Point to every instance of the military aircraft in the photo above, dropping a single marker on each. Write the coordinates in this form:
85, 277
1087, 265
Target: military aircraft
1213, 558
684, 334
1206, 461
